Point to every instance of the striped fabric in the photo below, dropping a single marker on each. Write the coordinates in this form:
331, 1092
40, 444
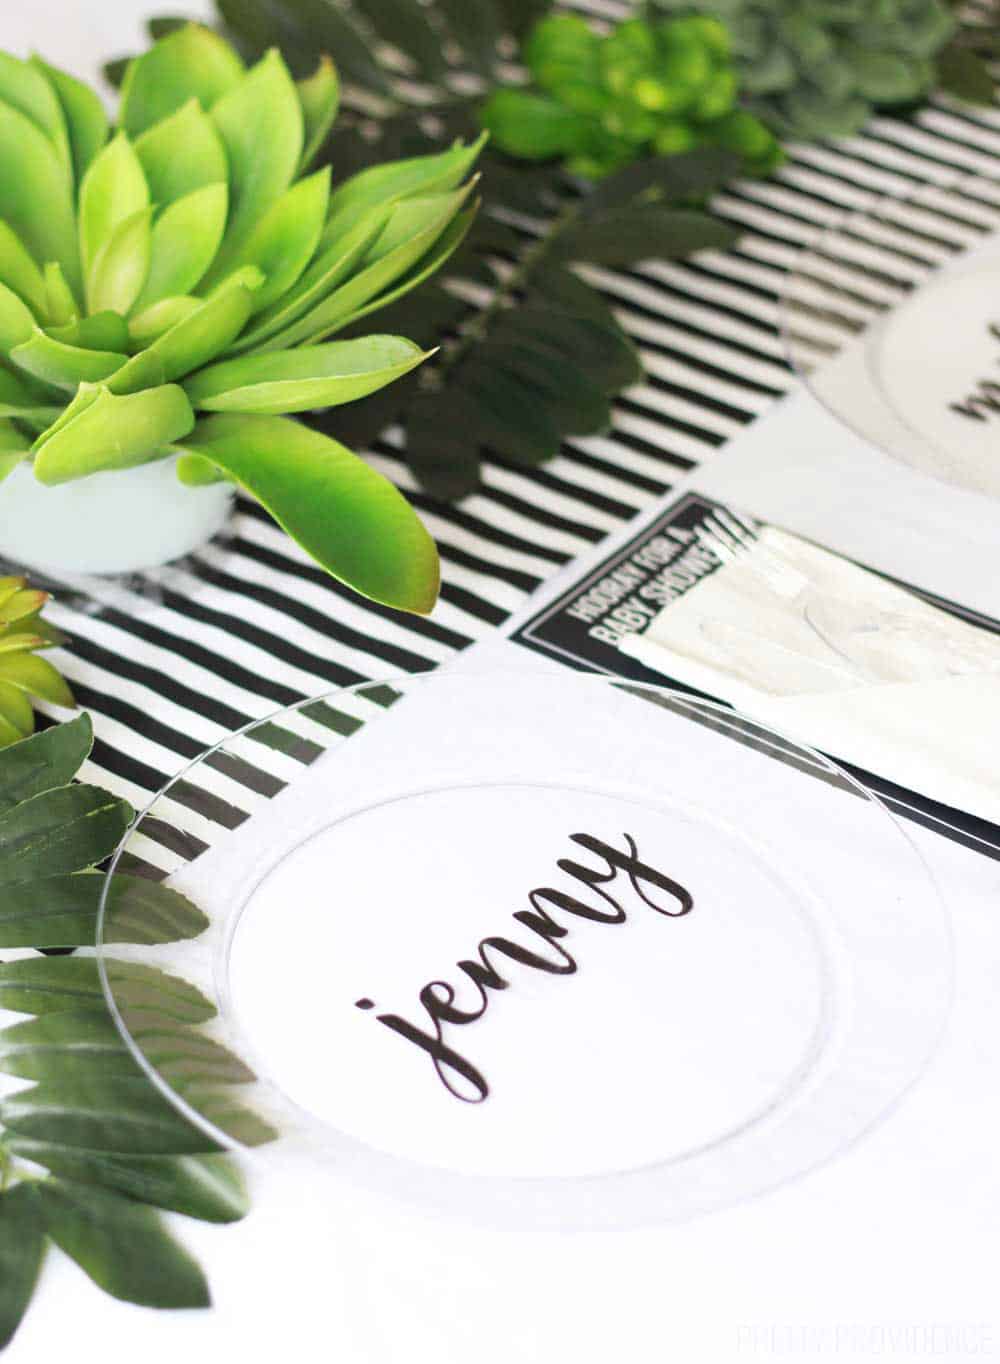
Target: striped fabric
252, 625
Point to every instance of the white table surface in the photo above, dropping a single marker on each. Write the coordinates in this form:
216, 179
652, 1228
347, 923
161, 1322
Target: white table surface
871, 1257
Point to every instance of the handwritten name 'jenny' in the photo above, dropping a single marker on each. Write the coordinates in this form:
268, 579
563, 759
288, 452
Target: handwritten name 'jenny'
458, 1075
980, 405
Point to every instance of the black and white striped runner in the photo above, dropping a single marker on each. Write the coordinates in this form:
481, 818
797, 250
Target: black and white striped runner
253, 625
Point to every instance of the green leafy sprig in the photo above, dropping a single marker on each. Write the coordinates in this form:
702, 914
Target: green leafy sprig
545, 357
89, 1149
24, 676
963, 64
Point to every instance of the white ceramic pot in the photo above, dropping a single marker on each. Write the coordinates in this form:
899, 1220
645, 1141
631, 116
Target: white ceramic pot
112, 523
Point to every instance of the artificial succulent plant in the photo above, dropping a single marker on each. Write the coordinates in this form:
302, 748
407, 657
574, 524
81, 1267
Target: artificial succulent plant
25, 676
169, 287
602, 100
816, 68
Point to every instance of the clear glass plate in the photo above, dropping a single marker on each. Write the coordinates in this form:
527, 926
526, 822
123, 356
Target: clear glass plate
892, 318
542, 949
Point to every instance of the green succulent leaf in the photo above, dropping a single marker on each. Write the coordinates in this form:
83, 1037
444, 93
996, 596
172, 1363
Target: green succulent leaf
15, 710
261, 123
106, 331
185, 239
27, 89
36, 677
319, 95
61, 306
190, 63
36, 194
344, 303
383, 184
22, 1248
206, 1187
120, 1244
201, 334
533, 126
114, 191
350, 519
181, 154
85, 119
61, 830
427, 265
306, 378
50, 759
284, 240
414, 215
19, 272
14, 447
151, 323
16, 320
63, 365
329, 268
115, 432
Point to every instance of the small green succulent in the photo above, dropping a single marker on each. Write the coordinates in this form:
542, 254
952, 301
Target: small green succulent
170, 288
604, 101
816, 68
23, 675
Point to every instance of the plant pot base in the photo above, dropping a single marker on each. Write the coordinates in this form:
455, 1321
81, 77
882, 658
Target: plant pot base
110, 537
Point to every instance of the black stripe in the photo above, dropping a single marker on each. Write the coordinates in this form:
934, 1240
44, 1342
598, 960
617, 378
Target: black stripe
666, 419
310, 572
544, 478
626, 302
264, 640
541, 514
706, 367
323, 625
700, 399
671, 290
617, 471
451, 554
142, 627
239, 770
161, 683
114, 760
475, 525
643, 446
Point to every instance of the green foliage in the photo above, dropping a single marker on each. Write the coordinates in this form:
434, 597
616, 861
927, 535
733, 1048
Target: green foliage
89, 1148
963, 66
601, 101
814, 69
547, 356
191, 262
24, 676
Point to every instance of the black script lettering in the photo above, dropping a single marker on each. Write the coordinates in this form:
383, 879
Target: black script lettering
636, 870
449, 1065
438, 998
